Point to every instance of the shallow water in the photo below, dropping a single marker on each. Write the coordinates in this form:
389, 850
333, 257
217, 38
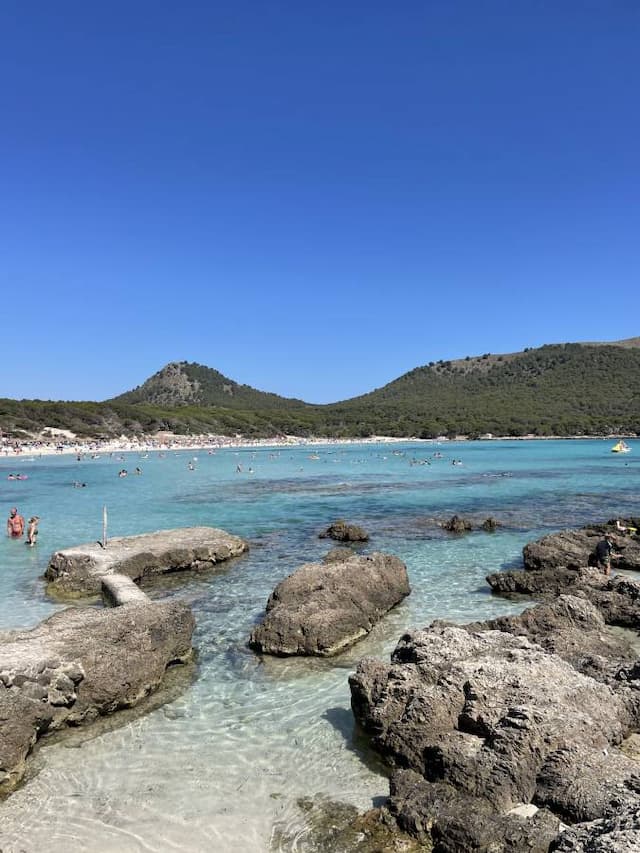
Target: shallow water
222, 766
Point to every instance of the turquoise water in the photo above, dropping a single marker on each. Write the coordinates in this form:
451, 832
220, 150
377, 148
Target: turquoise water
221, 767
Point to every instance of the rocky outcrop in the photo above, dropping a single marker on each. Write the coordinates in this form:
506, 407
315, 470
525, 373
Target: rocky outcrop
617, 832
435, 813
79, 571
322, 608
574, 629
477, 722
79, 664
456, 524
572, 549
343, 532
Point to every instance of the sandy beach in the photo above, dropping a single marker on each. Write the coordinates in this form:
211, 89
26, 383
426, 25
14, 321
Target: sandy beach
65, 443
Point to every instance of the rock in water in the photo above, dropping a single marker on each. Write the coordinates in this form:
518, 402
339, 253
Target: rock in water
80, 570
79, 664
343, 532
324, 607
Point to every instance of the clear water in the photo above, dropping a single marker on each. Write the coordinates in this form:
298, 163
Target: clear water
221, 766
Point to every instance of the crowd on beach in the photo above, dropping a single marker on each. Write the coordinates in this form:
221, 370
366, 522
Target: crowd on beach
69, 444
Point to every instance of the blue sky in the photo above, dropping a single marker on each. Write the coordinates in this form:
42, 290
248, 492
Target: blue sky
311, 197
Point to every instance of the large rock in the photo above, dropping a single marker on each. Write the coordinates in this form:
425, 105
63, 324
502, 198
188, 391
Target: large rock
617, 597
435, 812
573, 628
573, 548
79, 664
488, 720
80, 570
324, 607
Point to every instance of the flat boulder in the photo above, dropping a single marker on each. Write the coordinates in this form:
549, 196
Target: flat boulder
80, 570
322, 608
79, 664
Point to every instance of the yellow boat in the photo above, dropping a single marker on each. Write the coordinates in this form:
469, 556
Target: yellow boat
620, 447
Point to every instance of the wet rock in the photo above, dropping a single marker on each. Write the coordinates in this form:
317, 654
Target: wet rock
457, 525
81, 570
80, 664
336, 827
337, 555
343, 532
490, 525
322, 608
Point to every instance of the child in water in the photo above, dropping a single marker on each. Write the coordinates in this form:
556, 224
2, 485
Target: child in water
32, 530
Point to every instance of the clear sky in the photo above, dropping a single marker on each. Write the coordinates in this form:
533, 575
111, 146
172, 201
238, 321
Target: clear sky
311, 197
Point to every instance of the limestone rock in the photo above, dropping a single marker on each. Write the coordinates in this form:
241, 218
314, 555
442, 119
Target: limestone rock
79, 664
343, 532
324, 607
80, 570
485, 712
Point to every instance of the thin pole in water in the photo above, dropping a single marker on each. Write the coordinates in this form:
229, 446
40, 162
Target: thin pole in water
104, 526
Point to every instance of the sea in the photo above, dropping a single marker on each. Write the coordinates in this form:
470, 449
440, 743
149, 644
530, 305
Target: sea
238, 750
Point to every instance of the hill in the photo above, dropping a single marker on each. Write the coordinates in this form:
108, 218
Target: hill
181, 383
557, 389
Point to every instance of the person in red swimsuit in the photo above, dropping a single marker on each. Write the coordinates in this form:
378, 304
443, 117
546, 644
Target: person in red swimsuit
15, 524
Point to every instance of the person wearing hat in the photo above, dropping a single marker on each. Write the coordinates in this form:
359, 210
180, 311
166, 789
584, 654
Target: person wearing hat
15, 524
604, 553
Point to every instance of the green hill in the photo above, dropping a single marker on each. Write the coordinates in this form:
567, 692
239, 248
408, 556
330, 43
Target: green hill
559, 389
181, 383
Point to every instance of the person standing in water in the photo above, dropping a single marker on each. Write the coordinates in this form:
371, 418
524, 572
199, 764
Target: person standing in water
15, 524
32, 530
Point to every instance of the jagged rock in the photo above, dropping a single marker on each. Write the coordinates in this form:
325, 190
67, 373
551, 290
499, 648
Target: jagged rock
618, 832
488, 714
490, 525
617, 597
572, 548
324, 607
343, 532
437, 812
81, 570
583, 784
573, 628
457, 525
79, 664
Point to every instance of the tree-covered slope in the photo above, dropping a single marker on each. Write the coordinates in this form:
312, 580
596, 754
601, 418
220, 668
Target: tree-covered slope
556, 389
564, 389
181, 383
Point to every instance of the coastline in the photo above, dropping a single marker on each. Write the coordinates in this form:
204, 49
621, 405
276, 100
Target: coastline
68, 444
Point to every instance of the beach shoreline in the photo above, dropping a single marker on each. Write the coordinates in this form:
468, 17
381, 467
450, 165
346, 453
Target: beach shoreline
65, 443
